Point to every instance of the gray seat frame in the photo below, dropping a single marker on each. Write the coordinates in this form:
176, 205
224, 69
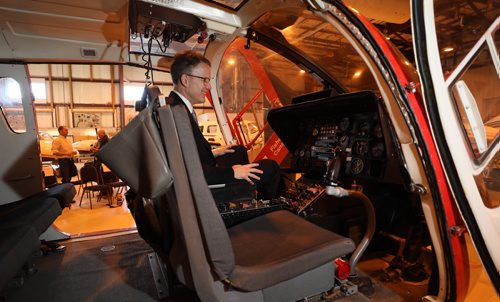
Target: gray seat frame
275, 257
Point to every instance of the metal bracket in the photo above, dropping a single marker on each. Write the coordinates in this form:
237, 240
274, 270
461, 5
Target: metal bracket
457, 230
411, 87
418, 188
159, 275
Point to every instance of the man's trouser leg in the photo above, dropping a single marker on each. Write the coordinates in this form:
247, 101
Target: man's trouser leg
65, 168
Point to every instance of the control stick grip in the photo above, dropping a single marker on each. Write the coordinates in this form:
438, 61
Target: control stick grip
333, 171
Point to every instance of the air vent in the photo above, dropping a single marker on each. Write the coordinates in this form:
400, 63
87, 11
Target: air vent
88, 52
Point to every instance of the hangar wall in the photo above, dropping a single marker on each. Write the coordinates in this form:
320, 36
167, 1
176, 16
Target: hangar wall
86, 97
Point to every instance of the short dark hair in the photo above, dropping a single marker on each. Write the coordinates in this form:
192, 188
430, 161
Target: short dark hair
60, 128
184, 62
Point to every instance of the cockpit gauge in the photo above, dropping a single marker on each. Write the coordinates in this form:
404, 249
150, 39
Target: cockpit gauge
357, 166
364, 129
361, 147
315, 132
344, 124
377, 149
343, 141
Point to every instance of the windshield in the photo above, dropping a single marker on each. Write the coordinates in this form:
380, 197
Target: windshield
321, 43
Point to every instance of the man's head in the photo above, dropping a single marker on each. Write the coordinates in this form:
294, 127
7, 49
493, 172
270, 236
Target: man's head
191, 76
101, 133
63, 130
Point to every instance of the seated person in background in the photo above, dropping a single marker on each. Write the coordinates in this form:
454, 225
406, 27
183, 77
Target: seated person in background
191, 77
63, 149
102, 139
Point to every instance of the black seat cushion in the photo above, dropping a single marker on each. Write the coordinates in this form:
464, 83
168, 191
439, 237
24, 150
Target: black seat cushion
37, 211
279, 246
64, 193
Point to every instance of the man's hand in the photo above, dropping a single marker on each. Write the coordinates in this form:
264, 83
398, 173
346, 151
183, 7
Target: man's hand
223, 150
247, 172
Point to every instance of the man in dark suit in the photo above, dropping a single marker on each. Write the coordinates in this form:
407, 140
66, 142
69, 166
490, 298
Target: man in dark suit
191, 77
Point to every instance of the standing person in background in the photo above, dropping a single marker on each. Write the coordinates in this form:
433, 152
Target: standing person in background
63, 149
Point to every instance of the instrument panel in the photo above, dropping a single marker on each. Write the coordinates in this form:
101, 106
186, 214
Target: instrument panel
357, 138
347, 127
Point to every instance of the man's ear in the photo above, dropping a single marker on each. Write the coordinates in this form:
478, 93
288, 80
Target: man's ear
183, 80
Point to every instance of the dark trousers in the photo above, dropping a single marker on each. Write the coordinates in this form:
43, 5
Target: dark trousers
66, 166
269, 184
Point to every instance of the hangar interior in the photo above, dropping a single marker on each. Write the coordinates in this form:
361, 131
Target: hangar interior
86, 97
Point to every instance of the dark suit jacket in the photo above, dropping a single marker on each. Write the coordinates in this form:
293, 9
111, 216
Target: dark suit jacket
213, 174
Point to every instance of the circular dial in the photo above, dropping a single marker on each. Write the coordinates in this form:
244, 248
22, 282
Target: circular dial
344, 124
377, 131
357, 166
377, 149
361, 147
343, 141
364, 127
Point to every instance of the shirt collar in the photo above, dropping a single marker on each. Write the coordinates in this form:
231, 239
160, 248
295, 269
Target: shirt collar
185, 100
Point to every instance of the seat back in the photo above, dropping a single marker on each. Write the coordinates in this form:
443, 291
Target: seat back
208, 245
89, 173
136, 155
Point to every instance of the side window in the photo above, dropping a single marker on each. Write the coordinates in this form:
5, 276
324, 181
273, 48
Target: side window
478, 103
11, 104
477, 100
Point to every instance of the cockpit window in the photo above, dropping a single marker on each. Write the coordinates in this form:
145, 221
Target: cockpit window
466, 20
319, 41
473, 83
256, 70
252, 82
479, 108
11, 104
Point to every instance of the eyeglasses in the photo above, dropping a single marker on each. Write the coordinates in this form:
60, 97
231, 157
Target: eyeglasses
205, 80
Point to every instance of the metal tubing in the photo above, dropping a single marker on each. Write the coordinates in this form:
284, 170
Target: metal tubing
370, 228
